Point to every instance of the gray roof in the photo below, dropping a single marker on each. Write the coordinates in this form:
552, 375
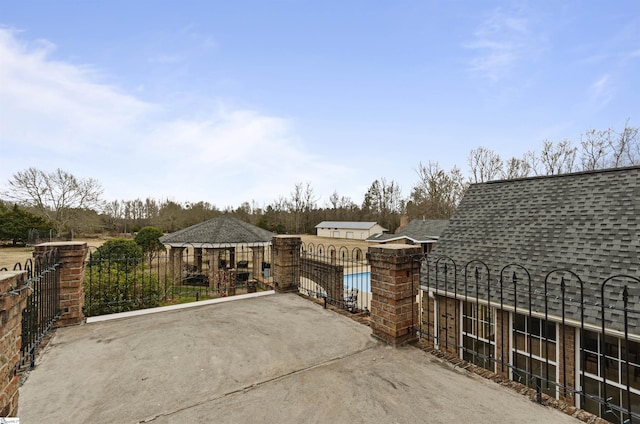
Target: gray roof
418, 231
586, 222
352, 225
223, 230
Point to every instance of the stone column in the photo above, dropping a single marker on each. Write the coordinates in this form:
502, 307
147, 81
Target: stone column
175, 264
12, 303
214, 268
394, 289
286, 263
197, 258
258, 258
72, 256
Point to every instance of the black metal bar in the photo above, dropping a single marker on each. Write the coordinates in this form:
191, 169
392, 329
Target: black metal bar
515, 314
544, 333
601, 356
42, 307
501, 325
530, 339
538, 390
564, 340
625, 300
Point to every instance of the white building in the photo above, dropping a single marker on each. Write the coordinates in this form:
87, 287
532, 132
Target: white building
348, 229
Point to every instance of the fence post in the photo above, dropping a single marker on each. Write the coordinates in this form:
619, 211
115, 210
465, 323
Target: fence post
394, 307
12, 303
72, 256
286, 263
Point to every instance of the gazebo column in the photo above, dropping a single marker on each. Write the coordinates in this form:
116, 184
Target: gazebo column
232, 257
258, 258
176, 265
197, 258
214, 267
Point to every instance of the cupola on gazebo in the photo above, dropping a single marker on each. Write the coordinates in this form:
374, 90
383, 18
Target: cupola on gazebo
227, 244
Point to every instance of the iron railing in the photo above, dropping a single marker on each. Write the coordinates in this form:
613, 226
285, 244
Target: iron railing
42, 304
116, 281
340, 276
534, 331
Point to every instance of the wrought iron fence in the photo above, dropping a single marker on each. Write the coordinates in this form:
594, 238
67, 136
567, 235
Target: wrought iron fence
564, 335
42, 304
119, 282
339, 275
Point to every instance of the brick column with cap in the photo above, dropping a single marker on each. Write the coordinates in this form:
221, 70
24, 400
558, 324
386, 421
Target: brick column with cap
394, 287
72, 256
286, 263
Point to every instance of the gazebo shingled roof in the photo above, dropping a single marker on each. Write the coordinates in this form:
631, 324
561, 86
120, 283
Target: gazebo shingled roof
224, 230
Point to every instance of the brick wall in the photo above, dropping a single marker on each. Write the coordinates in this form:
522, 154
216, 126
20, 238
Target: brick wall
11, 307
328, 276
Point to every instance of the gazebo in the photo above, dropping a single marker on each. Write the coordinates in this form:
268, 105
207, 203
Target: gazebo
220, 241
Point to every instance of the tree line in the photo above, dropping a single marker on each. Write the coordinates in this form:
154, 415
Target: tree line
69, 205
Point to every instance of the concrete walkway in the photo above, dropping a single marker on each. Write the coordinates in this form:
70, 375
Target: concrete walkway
276, 358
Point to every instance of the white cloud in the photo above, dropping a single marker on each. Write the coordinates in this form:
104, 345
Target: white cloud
49, 104
500, 42
57, 114
601, 91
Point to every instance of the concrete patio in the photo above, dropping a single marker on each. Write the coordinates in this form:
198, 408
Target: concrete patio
275, 358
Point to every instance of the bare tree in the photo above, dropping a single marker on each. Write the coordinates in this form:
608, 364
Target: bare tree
114, 210
610, 149
595, 149
437, 193
558, 158
300, 205
57, 195
485, 165
383, 202
516, 168
626, 147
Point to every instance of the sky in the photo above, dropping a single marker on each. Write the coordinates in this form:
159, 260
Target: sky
233, 101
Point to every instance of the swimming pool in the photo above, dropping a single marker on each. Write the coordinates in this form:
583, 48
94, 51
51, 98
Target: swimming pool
359, 280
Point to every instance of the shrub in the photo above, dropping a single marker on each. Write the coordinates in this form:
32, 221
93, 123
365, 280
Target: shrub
115, 280
148, 238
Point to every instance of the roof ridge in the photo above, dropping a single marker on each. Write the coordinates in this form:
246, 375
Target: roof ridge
568, 174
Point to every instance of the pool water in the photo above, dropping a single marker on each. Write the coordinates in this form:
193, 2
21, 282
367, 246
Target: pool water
360, 281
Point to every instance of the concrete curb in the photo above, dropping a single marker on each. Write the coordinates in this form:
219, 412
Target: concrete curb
148, 311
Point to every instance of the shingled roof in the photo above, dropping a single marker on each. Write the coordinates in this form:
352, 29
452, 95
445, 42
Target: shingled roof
418, 231
586, 222
224, 230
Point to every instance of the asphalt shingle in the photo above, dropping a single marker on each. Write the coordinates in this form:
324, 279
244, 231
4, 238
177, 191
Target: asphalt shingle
586, 222
224, 229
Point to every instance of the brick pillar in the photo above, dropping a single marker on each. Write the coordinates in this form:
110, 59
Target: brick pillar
502, 342
12, 303
72, 255
394, 306
568, 362
286, 263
